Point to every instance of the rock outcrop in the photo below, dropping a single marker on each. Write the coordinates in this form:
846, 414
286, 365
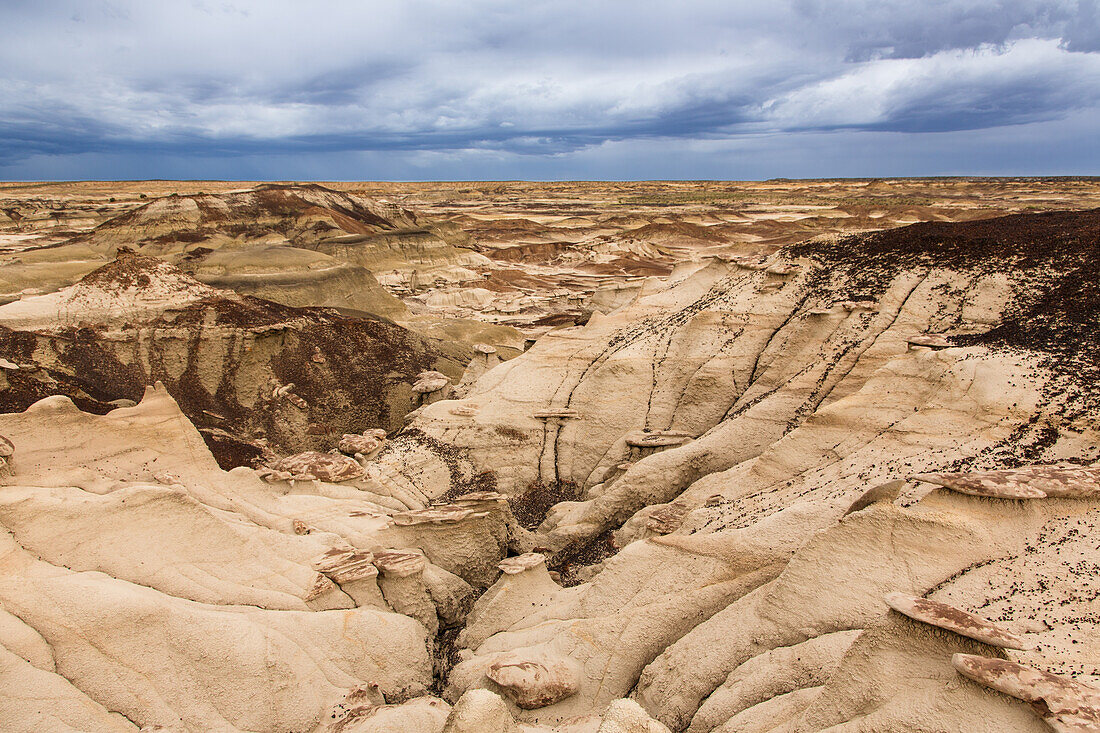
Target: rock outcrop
251, 373
300, 245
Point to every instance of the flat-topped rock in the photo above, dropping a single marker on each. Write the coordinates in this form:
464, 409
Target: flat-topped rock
441, 514
464, 410
430, 381
368, 443
562, 414
520, 563
1029, 482
478, 498
858, 305
782, 269
930, 341
313, 465
1065, 704
345, 564
657, 438
485, 349
668, 518
399, 563
954, 619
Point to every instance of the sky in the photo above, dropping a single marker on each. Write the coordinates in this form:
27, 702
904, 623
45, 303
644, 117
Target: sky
529, 89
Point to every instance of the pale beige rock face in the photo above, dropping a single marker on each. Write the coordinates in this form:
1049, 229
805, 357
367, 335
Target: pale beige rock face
898, 677
34, 699
155, 659
137, 574
772, 675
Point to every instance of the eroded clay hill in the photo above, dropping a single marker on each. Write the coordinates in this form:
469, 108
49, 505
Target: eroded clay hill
299, 245
252, 374
848, 484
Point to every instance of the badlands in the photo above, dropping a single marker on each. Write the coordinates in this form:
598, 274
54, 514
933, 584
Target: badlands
512, 457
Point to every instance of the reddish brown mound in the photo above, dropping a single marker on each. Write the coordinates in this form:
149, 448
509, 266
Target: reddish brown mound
126, 270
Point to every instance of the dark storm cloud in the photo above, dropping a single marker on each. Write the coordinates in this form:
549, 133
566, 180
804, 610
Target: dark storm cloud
425, 79
916, 29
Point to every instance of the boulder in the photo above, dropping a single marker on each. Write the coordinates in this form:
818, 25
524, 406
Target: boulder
533, 679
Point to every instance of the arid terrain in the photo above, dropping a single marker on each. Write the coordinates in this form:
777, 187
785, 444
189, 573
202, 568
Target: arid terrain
582, 457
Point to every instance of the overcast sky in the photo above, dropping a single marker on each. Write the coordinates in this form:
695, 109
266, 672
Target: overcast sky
559, 89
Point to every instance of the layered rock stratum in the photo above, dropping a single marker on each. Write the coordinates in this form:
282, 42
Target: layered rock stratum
847, 482
250, 372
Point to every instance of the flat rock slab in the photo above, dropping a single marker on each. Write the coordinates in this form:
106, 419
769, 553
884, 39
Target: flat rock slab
369, 442
931, 341
441, 514
321, 466
657, 438
427, 386
668, 518
520, 563
400, 563
344, 565
1067, 705
561, 414
1031, 482
954, 619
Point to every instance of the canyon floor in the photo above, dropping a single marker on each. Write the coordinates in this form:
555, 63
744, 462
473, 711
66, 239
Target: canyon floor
584, 457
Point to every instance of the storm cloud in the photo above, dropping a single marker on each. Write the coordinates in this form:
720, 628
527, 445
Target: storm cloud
488, 88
